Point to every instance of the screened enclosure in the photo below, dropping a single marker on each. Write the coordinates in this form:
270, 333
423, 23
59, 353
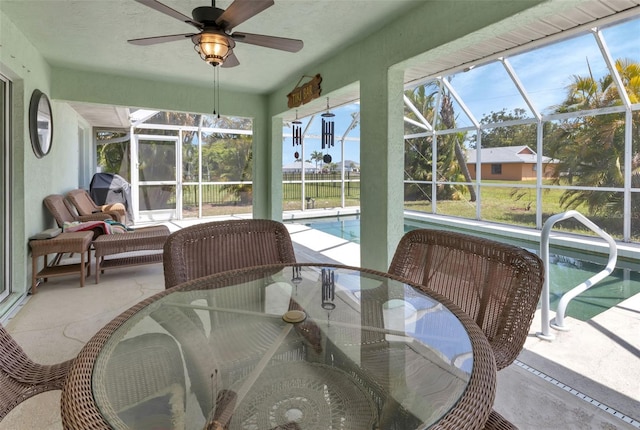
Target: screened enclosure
181, 165
521, 137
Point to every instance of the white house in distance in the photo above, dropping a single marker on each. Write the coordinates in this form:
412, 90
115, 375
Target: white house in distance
510, 163
296, 167
349, 166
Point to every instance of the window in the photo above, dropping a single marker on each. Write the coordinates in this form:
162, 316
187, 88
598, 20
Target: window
496, 169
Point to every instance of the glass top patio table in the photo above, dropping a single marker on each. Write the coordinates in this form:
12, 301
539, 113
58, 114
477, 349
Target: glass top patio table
298, 347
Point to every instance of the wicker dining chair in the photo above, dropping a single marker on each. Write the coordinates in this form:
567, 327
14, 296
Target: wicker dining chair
144, 380
218, 246
84, 205
21, 378
498, 285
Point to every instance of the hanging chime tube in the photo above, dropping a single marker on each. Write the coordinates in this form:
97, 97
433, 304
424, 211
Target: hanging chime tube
324, 133
297, 133
328, 132
332, 133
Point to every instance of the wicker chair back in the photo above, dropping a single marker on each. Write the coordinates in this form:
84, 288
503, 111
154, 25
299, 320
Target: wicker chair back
218, 246
84, 204
62, 212
498, 285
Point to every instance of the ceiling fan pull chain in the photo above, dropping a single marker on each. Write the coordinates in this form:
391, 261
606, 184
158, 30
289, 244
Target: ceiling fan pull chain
215, 90
218, 89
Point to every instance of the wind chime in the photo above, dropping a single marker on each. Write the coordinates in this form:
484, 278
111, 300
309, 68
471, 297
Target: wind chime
297, 133
328, 132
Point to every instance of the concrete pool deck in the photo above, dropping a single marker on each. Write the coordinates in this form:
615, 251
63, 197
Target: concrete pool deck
587, 378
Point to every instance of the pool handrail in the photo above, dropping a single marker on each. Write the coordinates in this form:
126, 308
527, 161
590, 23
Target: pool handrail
558, 321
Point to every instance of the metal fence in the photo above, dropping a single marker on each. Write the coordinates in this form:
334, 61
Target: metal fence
317, 186
217, 194
320, 185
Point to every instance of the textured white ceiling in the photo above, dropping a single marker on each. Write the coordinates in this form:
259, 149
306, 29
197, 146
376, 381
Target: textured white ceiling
92, 35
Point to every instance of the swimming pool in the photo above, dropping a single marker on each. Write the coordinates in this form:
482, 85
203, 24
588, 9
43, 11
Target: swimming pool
566, 269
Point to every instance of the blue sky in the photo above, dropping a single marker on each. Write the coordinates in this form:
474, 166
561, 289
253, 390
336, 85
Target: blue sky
544, 72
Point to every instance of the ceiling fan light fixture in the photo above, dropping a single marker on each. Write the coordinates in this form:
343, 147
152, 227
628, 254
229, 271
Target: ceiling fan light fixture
213, 48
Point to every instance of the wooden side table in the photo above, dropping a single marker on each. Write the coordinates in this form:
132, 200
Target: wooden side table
75, 242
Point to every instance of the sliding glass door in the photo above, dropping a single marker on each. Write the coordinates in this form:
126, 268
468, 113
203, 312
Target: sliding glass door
5, 186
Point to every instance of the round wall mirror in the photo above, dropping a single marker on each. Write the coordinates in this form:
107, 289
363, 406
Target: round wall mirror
40, 123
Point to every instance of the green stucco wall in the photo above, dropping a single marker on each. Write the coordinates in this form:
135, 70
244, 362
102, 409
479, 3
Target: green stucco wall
33, 178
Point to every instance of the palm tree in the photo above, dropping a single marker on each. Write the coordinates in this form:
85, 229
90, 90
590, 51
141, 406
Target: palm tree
592, 147
447, 116
417, 153
451, 161
317, 157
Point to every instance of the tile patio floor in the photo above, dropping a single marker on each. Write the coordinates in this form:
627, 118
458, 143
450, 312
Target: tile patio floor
545, 389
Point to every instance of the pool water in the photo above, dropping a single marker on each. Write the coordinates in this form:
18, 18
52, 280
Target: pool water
565, 271
347, 228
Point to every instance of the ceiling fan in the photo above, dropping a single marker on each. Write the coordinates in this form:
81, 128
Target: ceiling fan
214, 41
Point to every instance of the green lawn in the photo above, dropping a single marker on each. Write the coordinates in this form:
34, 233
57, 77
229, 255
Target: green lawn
499, 204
